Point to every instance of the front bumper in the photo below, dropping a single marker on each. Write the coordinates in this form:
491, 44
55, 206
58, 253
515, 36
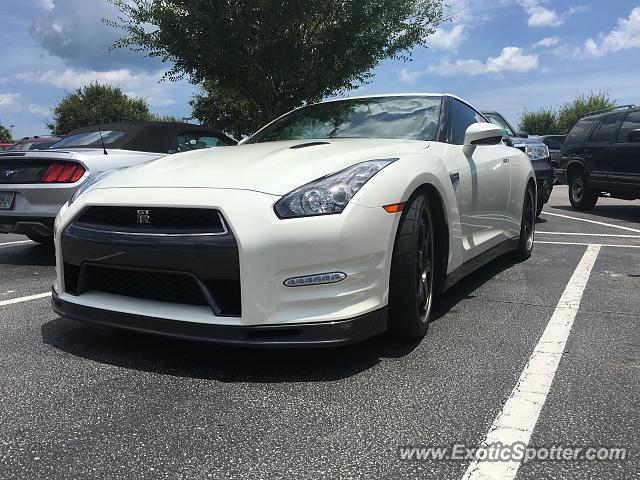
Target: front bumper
319, 334
544, 178
357, 242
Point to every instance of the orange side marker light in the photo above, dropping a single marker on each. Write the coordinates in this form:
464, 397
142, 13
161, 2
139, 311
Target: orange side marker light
394, 207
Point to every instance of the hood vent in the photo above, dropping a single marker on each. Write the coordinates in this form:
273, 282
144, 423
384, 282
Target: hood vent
310, 144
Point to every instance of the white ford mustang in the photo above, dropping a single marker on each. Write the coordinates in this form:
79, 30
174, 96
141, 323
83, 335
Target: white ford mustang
336, 222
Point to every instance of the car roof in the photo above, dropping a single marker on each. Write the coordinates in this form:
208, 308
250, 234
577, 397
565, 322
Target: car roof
149, 136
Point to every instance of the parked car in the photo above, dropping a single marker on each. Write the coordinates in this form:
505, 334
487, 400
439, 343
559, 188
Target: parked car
554, 143
333, 223
4, 146
33, 143
35, 184
601, 156
537, 151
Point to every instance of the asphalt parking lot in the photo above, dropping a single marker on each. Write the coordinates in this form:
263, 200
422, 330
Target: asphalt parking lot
85, 402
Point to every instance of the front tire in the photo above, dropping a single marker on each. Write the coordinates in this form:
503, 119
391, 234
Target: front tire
527, 226
581, 195
412, 271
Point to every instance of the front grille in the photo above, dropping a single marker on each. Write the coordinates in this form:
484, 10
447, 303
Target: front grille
153, 219
223, 296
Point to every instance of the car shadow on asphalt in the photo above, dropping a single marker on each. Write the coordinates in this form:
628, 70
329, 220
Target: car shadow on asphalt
174, 357
28, 255
465, 288
628, 213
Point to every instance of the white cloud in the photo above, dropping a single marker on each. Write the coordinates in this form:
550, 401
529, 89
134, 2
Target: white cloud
547, 42
626, 35
145, 85
46, 4
10, 101
540, 16
15, 102
448, 39
511, 59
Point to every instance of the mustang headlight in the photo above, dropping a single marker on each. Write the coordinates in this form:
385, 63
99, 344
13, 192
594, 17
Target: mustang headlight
91, 181
330, 194
536, 152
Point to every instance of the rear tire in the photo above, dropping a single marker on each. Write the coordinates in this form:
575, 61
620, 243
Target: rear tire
581, 195
412, 271
41, 239
527, 226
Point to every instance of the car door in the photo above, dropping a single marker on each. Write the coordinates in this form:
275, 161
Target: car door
482, 182
599, 154
624, 162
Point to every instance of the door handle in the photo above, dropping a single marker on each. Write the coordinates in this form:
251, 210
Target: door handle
505, 160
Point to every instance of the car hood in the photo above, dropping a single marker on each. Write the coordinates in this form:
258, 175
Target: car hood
271, 167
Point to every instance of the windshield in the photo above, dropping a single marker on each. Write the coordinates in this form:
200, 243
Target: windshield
89, 139
24, 146
413, 118
501, 122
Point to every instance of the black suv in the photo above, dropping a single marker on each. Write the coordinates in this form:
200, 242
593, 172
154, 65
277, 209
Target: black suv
601, 155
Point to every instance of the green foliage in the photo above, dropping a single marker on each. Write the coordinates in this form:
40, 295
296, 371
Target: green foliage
5, 135
540, 122
573, 111
156, 117
94, 104
258, 59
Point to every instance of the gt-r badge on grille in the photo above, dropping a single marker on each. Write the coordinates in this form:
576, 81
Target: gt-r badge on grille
144, 217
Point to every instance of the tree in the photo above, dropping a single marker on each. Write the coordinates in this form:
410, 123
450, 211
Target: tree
94, 104
258, 59
541, 122
573, 111
5, 135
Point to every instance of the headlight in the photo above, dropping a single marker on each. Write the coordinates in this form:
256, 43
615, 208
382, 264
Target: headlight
536, 152
91, 181
330, 194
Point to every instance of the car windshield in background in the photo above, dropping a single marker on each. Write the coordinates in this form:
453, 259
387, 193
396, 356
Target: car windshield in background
500, 122
412, 118
89, 139
24, 146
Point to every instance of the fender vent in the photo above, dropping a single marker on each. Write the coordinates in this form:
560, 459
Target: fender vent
310, 144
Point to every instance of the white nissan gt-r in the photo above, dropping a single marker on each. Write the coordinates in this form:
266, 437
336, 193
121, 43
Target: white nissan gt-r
334, 223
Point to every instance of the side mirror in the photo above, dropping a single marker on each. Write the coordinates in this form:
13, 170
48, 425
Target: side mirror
481, 134
508, 141
522, 134
634, 135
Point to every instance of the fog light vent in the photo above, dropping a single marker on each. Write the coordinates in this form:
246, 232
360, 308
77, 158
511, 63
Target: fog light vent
317, 279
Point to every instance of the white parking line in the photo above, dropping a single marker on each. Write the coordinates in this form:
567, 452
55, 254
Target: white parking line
24, 299
15, 243
617, 235
519, 415
586, 244
593, 221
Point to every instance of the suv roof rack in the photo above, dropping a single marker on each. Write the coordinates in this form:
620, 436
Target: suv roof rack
604, 110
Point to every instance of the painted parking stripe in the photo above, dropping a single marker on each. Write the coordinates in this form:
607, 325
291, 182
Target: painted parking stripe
593, 221
24, 299
519, 415
587, 244
617, 235
6, 244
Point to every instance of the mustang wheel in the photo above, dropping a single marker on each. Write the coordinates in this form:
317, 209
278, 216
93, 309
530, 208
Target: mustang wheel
527, 226
581, 195
412, 272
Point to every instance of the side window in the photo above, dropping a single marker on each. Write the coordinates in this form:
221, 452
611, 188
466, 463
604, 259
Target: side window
579, 132
462, 116
187, 141
607, 129
632, 122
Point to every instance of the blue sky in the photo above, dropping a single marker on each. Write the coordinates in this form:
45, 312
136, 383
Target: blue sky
506, 55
